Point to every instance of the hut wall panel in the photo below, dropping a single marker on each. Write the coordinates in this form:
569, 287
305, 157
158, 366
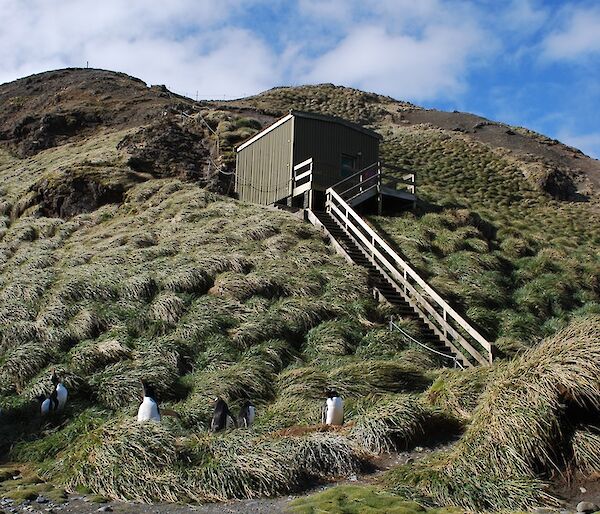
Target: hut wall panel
325, 142
263, 169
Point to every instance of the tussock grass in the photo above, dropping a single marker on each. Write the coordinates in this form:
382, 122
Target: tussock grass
517, 434
201, 295
91, 355
119, 384
372, 377
24, 362
458, 392
332, 338
392, 423
502, 252
164, 465
586, 449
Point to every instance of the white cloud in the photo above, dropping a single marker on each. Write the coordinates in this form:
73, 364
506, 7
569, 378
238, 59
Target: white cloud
410, 50
579, 37
524, 16
405, 66
183, 43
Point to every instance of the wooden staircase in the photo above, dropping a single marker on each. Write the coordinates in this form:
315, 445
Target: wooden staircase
443, 330
382, 286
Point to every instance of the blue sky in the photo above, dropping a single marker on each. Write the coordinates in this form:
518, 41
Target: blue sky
534, 63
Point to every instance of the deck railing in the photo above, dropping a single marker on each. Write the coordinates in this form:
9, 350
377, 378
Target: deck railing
448, 325
302, 176
376, 176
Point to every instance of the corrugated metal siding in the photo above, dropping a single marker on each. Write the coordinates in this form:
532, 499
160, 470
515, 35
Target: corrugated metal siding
325, 142
263, 169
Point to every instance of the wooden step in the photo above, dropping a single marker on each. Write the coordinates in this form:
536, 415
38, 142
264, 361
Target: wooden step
378, 281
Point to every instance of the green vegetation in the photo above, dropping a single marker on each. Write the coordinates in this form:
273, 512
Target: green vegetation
520, 430
204, 296
201, 296
358, 500
347, 103
516, 262
21, 485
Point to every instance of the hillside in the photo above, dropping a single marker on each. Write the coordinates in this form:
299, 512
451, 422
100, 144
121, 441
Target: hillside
120, 261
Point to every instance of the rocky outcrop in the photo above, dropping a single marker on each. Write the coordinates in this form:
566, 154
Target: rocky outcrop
82, 189
169, 148
46, 110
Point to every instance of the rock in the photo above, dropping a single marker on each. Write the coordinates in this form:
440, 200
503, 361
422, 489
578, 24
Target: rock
352, 478
583, 490
105, 508
41, 499
166, 148
586, 507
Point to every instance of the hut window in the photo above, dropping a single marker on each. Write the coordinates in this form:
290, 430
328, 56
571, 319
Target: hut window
349, 165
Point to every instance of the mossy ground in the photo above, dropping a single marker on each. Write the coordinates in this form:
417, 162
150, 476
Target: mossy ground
345, 499
20, 484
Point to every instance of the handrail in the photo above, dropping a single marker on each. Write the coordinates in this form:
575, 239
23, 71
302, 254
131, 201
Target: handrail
304, 173
365, 183
352, 221
354, 175
428, 348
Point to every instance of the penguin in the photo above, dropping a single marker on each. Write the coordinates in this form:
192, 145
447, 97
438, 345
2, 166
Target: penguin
333, 409
149, 409
48, 404
220, 414
247, 414
61, 391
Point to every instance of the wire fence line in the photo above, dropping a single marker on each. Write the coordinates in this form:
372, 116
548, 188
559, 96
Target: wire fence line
457, 363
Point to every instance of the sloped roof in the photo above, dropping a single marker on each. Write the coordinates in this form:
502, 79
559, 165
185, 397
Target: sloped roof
313, 116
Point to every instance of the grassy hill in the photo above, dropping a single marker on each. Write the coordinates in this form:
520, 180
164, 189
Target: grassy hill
119, 261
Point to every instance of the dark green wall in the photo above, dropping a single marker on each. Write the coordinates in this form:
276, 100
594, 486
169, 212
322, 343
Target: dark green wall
325, 142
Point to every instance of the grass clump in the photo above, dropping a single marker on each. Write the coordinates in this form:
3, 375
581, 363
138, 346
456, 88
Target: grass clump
165, 465
517, 435
458, 392
586, 449
390, 424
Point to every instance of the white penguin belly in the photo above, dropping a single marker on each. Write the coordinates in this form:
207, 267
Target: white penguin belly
61, 395
335, 411
251, 415
45, 407
148, 411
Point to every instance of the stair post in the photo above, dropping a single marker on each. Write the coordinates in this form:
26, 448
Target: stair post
379, 195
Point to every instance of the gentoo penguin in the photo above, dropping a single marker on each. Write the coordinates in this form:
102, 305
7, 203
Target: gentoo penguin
48, 404
333, 409
61, 391
220, 414
149, 410
246, 415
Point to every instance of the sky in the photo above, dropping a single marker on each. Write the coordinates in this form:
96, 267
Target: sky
532, 63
